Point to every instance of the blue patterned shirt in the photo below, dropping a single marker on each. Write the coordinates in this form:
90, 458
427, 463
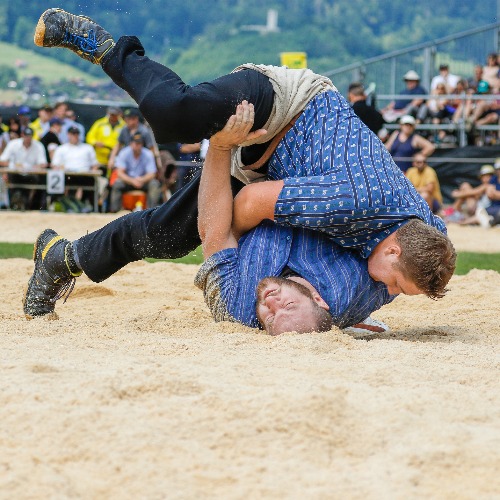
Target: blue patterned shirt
229, 278
341, 180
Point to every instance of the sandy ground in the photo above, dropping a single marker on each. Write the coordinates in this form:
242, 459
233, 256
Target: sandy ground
135, 393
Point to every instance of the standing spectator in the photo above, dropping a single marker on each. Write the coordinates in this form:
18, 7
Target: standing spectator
51, 140
404, 143
490, 72
40, 125
372, 118
133, 126
136, 170
76, 156
445, 77
26, 154
490, 216
61, 110
103, 135
404, 106
426, 182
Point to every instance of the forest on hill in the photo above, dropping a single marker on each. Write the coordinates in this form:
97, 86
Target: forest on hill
202, 39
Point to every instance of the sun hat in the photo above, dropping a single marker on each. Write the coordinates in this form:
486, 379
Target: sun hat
411, 75
407, 119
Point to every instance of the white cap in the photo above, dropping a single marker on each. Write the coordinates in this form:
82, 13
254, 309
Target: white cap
411, 75
407, 119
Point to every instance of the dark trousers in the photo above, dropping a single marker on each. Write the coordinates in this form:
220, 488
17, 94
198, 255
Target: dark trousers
176, 113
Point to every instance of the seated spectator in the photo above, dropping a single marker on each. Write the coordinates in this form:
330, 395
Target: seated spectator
50, 140
77, 157
136, 170
132, 126
490, 72
372, 118
13, 132
426, 182
490, 216
400, 107
467, 110
473, 82
446, 78
24, 154
437, 110
404, 143
472, 197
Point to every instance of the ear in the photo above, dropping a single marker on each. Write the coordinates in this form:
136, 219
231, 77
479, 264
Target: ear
393, 249
319, 300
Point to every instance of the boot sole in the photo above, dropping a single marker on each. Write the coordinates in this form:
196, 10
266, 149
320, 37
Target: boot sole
49, 316
40, 28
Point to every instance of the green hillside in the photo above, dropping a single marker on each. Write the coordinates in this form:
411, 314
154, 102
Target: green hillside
50, 69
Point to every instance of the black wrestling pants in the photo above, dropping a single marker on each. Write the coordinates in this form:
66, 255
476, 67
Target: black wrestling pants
177, 113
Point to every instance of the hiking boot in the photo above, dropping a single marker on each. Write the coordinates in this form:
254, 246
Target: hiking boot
53, 277
58, 28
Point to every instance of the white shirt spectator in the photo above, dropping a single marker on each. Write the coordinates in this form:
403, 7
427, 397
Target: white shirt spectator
450, 81
75, 157
17, 155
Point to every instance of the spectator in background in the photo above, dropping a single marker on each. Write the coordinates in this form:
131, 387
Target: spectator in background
132, 126
103, 135
400, 107
426, 182
24, 115
40, 125
372, 118
445, 77
51, 140
61, 110
490, 72
404, 143
136, 170
189, 163
72, 121
167, 174
24, 154
76, 156
437, 110
478, 76
471, 197
490, 216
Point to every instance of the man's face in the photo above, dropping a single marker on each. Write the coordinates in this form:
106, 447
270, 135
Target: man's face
382, 267
132, 122
113, 118
27, 140
419, 162
60, 111
411, 84
136, 147
285, 306
73, 138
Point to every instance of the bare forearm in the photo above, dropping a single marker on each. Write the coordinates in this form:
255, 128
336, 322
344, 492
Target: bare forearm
215, 202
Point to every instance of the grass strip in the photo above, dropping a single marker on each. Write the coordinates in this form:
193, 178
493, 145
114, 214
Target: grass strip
465, 262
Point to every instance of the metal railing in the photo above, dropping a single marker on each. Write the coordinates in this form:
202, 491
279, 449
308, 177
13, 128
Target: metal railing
461, 51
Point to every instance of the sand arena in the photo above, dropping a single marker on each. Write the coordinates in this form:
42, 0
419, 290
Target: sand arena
135, 393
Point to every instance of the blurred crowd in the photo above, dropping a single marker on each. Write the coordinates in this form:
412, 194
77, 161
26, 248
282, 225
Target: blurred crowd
119, 158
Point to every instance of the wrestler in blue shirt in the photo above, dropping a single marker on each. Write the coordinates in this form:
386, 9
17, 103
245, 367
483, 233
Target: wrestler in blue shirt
238, 278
